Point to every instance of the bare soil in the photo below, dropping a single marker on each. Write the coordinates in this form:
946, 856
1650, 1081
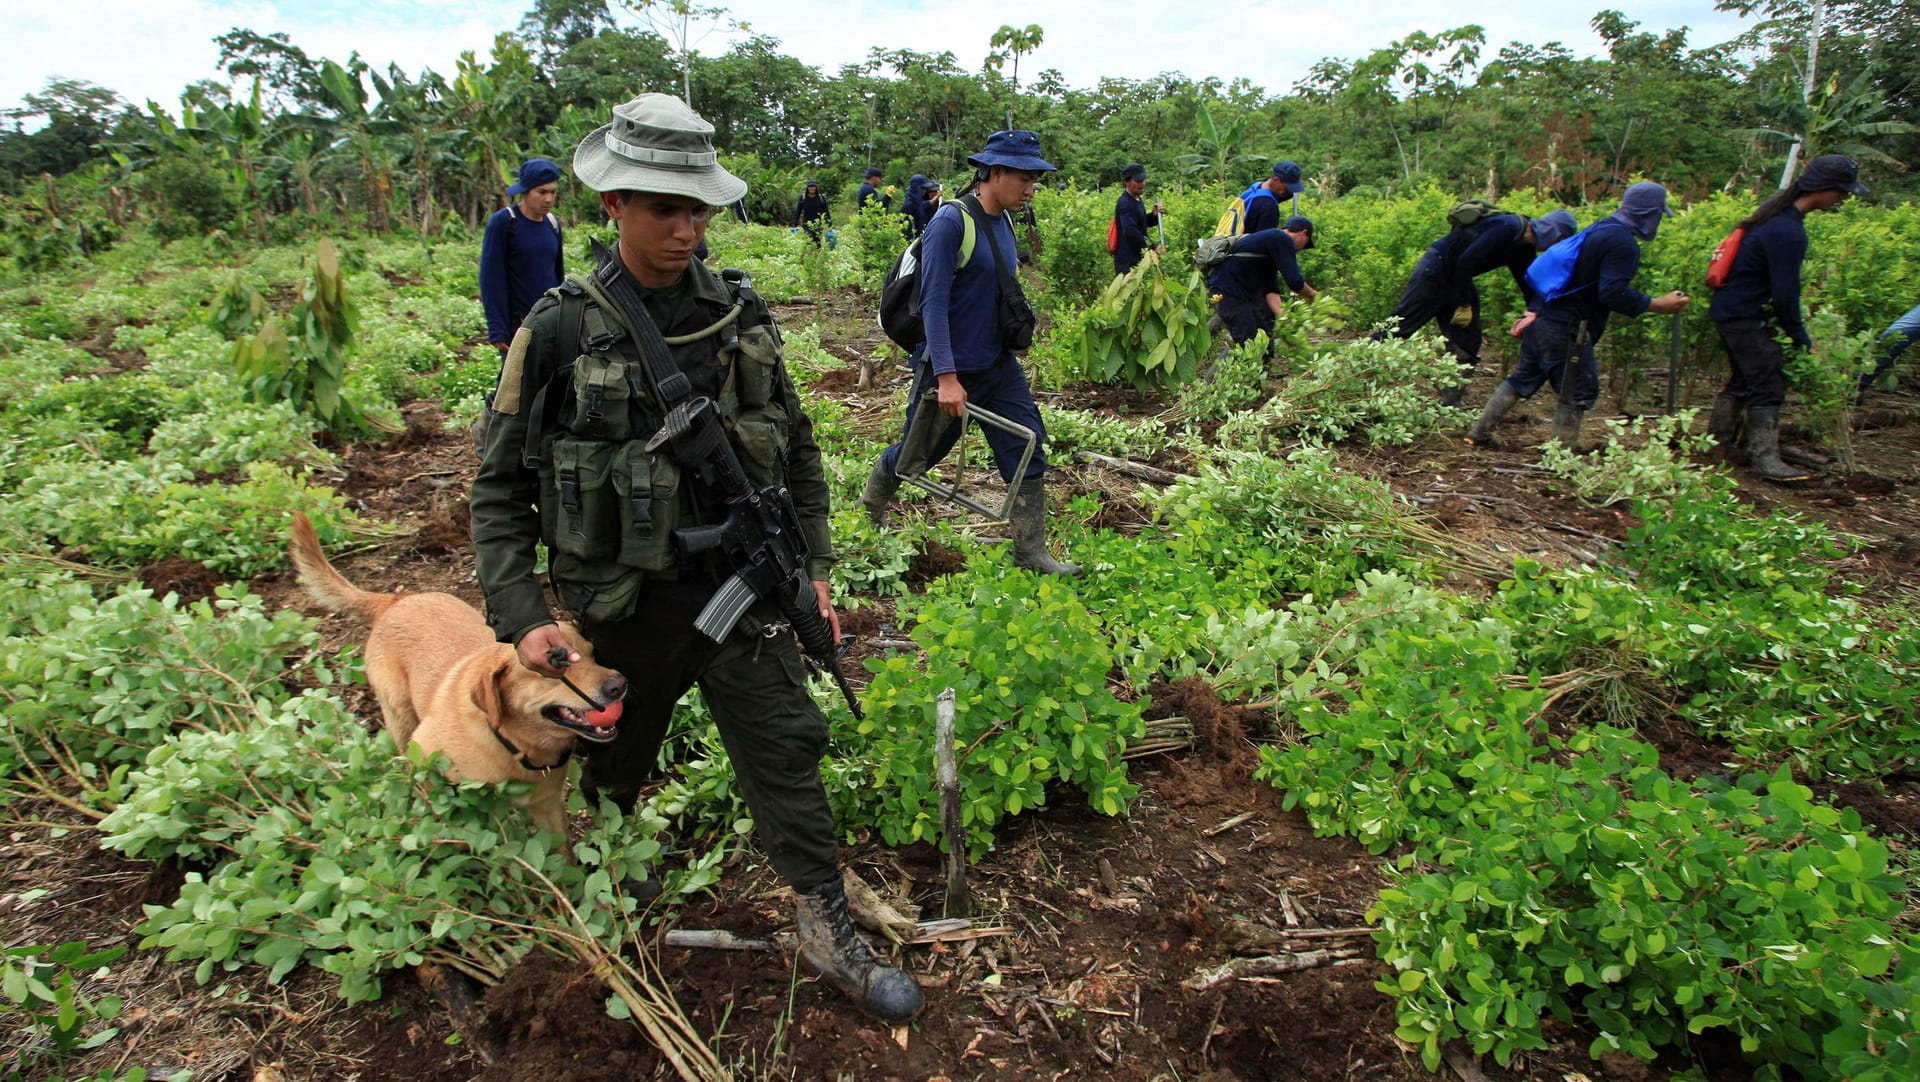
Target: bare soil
1106, 917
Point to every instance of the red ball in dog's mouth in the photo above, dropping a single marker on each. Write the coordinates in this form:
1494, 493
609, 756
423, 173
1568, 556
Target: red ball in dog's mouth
607, 718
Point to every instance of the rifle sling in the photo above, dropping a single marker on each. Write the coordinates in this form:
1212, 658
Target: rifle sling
610, 285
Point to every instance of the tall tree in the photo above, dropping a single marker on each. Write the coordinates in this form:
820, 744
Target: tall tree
554, 26
290, 77
1011, 43
77, 114
684, 25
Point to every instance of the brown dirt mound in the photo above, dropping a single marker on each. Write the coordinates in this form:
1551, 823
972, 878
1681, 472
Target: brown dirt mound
550, 1018
190, 579
839, 381
932, 562
448, 529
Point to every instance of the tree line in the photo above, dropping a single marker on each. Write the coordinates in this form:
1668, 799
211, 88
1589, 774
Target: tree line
284, 141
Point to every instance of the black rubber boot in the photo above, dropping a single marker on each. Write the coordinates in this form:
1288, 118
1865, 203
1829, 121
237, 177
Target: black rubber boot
1725, 427
1481, 434
1452, 395
1763, 446
831, 948
881, 485
1566, 425
1029, 521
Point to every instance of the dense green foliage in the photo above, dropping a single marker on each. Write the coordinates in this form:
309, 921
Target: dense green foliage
1544, 865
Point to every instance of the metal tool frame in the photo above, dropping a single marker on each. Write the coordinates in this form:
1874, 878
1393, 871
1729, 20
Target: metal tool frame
930, 408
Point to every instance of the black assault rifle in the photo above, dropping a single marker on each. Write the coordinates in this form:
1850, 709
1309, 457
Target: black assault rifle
760, 538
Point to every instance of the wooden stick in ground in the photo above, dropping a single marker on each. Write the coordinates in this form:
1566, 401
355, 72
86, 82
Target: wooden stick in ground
1134, 469
947, 773
1267, 966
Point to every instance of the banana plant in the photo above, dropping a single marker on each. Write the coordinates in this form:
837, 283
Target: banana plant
1835, 119
1219, 147
358, 131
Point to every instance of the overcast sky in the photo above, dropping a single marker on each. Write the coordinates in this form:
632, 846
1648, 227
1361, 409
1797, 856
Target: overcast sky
153, 48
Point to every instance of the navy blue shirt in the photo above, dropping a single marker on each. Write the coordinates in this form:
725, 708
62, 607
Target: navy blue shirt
1132, 218
961, 309
1765, 278
1248, 275
1498, 240
868, 194
1262, 210
520, 260
1602, 279
810, 209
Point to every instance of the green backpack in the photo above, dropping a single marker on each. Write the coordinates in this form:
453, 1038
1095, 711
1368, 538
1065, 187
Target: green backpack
1468, 211
1214, 251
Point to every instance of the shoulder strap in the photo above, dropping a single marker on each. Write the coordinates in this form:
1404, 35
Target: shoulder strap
573, 307
610, 286
969, 235
975, 211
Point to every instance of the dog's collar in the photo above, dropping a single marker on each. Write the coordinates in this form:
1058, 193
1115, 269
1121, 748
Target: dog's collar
526, 762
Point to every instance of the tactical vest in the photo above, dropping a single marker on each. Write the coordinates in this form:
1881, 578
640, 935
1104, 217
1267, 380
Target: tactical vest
608, 506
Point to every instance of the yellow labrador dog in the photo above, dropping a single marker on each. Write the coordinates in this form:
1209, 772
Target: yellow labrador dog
444, 683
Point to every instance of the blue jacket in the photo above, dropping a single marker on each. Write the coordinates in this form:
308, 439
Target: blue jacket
1133, 219
870, 194
1602, 279
1257, 258
1765, 278
961, 309
519, 261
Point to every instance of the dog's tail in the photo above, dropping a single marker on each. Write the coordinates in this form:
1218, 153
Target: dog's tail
322, 583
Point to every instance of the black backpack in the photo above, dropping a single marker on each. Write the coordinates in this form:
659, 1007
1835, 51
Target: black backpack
900, 293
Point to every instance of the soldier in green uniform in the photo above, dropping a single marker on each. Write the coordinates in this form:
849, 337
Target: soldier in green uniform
568, 463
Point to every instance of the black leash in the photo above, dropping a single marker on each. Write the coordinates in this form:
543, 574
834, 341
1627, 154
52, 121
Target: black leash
557, 657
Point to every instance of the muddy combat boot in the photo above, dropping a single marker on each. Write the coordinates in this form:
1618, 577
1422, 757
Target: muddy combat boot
881, 485
1725, 427
1763, 446
1029, 521
1566, 426
831, 948
1481, 434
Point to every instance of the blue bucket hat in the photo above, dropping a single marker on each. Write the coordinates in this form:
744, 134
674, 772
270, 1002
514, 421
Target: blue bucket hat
533, 173
1014, 150
1289, 174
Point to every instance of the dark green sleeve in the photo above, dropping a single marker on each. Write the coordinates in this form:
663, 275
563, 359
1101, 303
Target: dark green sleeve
504, 502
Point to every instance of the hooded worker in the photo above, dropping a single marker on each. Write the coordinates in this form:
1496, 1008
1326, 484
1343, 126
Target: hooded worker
1569, 311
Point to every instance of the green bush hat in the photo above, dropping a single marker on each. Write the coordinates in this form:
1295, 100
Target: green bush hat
655, 143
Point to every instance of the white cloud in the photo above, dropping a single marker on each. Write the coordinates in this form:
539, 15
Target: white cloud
153, 48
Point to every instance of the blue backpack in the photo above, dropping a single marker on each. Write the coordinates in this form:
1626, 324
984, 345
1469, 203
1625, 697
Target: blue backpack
1233, 220
1551, 275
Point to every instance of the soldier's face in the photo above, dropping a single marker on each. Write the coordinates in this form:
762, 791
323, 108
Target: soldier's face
658, 233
